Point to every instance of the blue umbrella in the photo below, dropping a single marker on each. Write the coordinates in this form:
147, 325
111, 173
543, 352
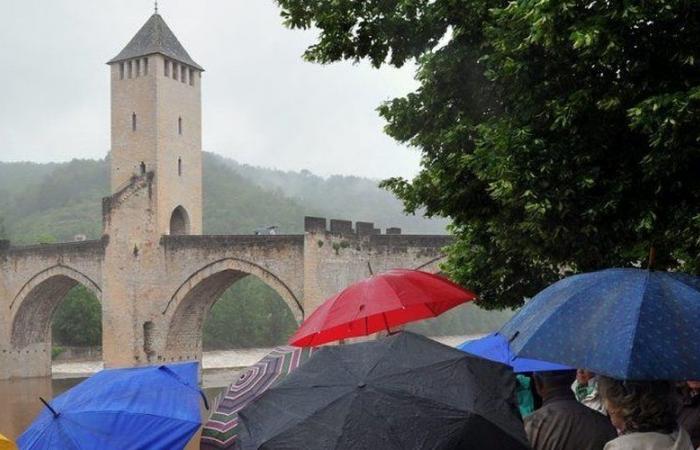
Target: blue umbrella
494, 347
154, 407
629, 324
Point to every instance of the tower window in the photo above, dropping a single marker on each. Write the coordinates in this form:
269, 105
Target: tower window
179, 166
121, 70
175, 70
137, 69
145, 66
142, 166
191, 77
183, 74
166, 68
129, 68
179, 125
133, 122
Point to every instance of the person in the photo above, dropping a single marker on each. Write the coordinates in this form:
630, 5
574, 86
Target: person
645, 414
689, 416
523, 392
562, 423
585, 388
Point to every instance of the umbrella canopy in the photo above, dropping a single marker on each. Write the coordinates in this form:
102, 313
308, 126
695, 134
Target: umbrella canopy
624, 323
495, 348
6, 444
381, 302
222, 428
154, 407
402, 392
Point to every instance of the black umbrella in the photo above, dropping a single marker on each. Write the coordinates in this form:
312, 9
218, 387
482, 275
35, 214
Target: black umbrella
402, 392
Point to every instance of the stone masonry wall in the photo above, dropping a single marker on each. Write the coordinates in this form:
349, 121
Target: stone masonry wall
342, 254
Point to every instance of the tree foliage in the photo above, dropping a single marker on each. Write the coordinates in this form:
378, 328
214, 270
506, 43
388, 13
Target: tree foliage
78, 320
559, 136
249, 314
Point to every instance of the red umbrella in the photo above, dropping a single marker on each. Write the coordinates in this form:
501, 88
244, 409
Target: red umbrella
378, 303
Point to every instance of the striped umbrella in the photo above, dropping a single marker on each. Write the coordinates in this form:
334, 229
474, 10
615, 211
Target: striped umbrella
222, 428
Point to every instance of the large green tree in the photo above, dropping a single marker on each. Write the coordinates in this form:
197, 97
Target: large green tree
559, 136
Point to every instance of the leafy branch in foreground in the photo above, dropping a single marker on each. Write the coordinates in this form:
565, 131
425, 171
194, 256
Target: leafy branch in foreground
559, 136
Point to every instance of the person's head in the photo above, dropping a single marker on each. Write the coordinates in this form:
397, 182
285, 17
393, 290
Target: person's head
583, 375
546, 382
640, 406
693, 385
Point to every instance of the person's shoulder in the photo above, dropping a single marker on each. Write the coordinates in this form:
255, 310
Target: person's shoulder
678, 440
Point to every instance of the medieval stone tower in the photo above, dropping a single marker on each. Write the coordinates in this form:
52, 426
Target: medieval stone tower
157, 125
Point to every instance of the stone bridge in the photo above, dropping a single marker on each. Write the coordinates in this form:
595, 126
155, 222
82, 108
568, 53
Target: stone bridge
155, 298
154, 273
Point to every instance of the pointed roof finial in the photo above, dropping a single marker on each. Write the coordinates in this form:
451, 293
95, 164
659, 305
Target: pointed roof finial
155, 6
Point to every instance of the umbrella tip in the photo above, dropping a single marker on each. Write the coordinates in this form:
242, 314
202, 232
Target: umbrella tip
53, 411
512, 338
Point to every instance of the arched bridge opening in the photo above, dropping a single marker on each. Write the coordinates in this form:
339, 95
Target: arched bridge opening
34, 307
228, 287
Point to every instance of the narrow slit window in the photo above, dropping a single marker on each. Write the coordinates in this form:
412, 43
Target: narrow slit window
143, 168
179, 166
183, 74
145, 66
179, 125
133, 121
129, 68
166, 68
191, 77
175, 70
121, 70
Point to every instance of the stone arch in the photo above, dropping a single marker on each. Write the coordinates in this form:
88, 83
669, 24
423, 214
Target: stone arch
179, 222
34, 305
188, 307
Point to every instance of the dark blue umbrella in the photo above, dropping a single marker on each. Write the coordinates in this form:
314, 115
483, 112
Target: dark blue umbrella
154, 407
495, 347
625, 323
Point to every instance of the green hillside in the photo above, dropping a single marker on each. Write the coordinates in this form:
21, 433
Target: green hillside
59, 201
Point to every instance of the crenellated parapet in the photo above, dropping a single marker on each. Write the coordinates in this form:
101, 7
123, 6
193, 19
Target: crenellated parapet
340, 252
345, 227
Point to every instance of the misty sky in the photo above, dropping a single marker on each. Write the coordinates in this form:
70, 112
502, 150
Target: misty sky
262, 104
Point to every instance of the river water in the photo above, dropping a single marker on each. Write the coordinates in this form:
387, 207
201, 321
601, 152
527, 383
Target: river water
19, 398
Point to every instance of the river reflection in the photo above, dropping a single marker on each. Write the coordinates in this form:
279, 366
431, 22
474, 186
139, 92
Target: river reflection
20, 402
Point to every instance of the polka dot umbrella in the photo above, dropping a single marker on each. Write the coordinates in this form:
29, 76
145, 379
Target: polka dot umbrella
629, 324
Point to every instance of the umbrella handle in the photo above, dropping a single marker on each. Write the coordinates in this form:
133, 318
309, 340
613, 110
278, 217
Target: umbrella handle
53, 411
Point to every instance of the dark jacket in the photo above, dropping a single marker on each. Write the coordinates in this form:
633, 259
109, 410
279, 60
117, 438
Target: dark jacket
562, 423
689, 417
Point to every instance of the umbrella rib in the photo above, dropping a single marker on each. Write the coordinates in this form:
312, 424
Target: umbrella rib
127, 394
399, 394
541, 319
69, 436
131, 413
636, 328
273, 405
415, 368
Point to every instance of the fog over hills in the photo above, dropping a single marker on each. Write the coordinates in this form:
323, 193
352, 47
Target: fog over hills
56, 201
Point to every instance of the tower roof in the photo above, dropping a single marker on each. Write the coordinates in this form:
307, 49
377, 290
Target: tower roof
155, 37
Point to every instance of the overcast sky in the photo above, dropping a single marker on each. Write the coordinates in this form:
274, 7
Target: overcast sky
262, 104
